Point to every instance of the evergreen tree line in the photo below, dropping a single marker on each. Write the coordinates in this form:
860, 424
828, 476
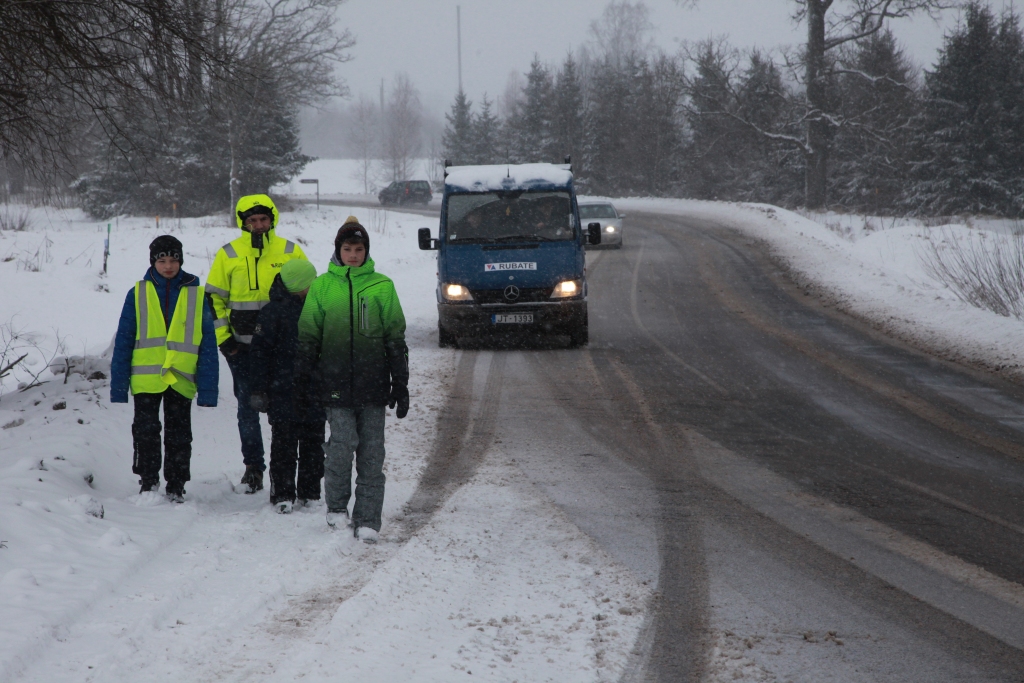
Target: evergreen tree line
208, 131
713, 123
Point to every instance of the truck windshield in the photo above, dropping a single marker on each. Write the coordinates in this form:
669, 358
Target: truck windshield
509, 216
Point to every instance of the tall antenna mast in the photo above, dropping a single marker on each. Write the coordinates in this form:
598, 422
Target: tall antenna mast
458, 23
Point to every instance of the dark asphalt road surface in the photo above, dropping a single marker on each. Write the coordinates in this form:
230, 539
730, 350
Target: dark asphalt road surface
813, 501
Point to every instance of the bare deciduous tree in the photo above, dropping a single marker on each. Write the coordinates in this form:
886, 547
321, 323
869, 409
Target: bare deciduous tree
277, 51
623, 31
66, 67
363, 135
402, 128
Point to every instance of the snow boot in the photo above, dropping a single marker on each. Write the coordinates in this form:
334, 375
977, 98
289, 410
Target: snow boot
338, 517
366, 534
148, 485
283, 507
252, 479
175, 492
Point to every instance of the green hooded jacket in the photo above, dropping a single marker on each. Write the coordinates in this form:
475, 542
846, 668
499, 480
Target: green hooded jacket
352, 337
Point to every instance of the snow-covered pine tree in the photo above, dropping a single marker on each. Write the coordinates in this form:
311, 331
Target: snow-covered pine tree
969, 147
609, 170
567, 115
457, 141
530, 125
880, 102
486, 135
715, 154
656, 139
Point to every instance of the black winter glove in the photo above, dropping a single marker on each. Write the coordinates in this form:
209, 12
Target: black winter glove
399, 397
259, 402
229, 347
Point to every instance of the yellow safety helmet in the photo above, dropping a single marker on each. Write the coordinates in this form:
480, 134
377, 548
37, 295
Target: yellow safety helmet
252, 204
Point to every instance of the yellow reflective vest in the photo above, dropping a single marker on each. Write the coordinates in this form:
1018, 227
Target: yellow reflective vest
239, 282
166, 355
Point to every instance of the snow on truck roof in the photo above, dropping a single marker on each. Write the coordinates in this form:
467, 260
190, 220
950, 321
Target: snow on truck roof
508, 177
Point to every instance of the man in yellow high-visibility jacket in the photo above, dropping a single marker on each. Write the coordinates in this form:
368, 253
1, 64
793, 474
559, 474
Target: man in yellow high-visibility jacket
165, 352
239, 286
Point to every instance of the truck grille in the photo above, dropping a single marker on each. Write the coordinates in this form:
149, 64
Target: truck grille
498, 296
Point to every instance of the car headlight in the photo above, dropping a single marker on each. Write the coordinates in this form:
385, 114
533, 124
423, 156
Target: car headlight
456, 293
566, 289
609, 228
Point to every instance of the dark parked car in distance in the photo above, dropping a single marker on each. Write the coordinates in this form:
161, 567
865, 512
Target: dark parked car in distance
406, 192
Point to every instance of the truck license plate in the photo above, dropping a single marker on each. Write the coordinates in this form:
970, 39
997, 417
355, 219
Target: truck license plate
499, 318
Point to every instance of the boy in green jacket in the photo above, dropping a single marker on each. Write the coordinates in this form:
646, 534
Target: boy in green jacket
352, 347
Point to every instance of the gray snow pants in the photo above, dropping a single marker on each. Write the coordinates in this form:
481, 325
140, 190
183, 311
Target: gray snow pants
358, 431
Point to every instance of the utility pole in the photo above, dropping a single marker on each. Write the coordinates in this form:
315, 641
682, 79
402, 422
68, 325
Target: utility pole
458, 25
382, 97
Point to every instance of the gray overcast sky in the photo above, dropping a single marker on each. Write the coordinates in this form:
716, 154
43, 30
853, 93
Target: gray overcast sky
498, 36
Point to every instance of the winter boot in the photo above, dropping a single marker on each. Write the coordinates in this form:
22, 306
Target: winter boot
149, 486
175, 492
252, 479
336, 518
366, 534
283, 507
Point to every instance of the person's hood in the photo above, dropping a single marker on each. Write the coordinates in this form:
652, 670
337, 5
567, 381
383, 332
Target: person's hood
252, 200
182, 279
338, 268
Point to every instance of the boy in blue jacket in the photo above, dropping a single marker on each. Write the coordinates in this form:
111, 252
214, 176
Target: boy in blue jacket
165, 351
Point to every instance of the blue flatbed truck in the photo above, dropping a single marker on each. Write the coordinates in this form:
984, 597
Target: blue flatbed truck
511, 258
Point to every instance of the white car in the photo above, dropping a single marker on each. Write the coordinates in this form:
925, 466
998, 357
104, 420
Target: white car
610, 220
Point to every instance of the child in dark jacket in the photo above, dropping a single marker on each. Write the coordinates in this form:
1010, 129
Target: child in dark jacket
296, 417
165, 351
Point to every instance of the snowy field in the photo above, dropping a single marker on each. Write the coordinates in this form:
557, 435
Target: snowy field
100, 583
345, 177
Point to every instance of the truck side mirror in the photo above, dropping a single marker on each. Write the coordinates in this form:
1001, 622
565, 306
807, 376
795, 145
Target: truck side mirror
426, 242
594, 233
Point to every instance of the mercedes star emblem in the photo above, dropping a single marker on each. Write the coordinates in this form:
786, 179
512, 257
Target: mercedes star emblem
511, 292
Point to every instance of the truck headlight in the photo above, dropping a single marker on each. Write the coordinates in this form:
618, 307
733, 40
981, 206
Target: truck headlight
456, 293
567, 289
609, 228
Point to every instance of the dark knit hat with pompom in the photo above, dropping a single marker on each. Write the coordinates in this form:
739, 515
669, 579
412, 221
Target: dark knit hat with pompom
352, 231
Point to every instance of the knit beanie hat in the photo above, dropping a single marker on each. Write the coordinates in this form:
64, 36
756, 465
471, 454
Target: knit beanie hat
352, 231
165, 245
297, 274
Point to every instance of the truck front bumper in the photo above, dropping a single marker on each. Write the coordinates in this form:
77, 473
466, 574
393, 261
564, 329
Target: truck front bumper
474, 320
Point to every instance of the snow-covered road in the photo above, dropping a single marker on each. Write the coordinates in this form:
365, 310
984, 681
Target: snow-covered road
100, 583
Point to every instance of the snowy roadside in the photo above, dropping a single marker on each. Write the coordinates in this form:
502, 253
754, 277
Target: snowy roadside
877, 275
98, 582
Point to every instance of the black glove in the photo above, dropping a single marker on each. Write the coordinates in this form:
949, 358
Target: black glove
400, 397
259, 402
229, 347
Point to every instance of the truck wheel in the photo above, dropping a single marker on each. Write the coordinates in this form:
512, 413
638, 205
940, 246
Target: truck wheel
445, 339
580, 336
